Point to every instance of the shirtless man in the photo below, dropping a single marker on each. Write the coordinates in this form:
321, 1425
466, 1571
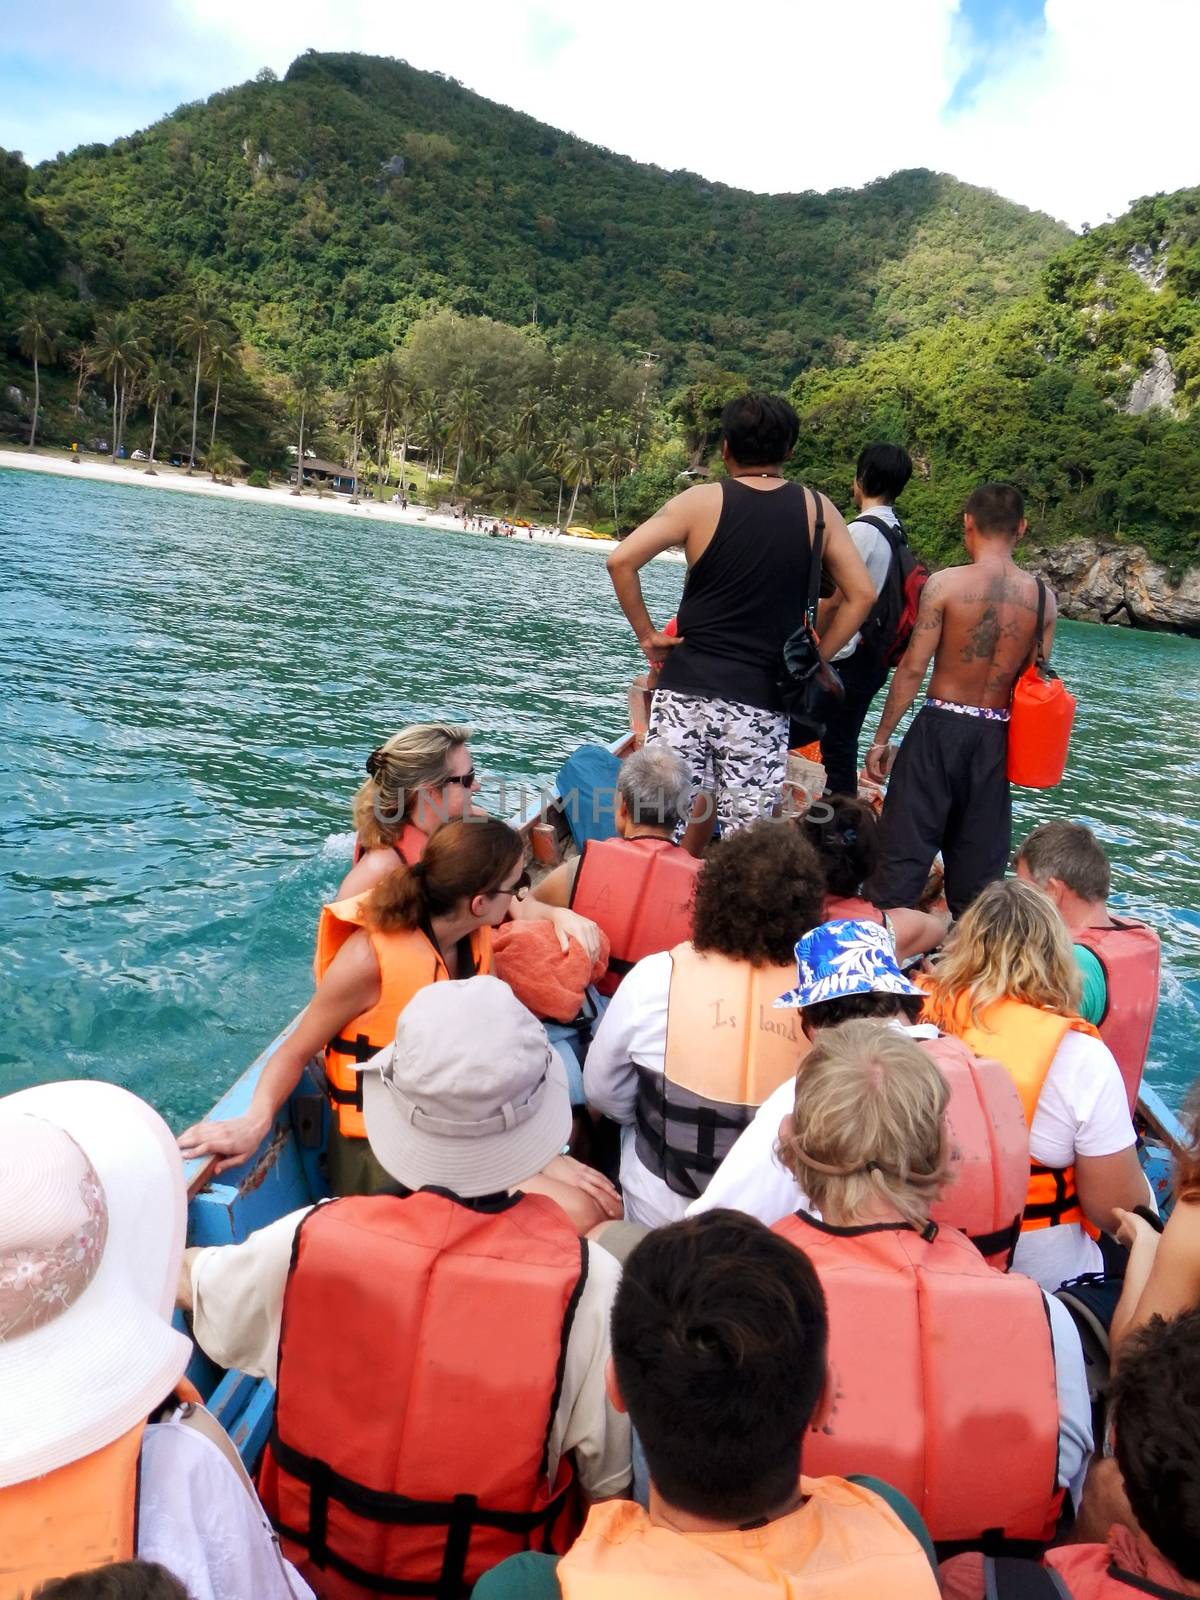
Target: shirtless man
949, 790
747, 542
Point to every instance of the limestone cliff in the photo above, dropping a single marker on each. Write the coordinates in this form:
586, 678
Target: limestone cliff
1098, 580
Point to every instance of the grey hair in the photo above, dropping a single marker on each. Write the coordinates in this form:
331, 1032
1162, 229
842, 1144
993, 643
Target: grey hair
1071, 853
653, 782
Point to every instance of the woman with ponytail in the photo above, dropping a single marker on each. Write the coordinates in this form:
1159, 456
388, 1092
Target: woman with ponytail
419, 925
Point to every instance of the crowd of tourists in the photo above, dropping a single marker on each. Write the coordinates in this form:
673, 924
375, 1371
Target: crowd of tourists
699, 1215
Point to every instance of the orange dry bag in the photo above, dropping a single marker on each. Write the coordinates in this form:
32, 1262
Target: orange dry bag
1039, 725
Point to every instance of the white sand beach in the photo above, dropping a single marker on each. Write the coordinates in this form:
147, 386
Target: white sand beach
133, 475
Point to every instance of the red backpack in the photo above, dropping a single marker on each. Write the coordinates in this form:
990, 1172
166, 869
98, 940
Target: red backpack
889, 624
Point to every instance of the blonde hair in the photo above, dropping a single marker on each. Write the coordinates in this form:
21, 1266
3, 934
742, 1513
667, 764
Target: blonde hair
868, 1124
1011, 945
412, 758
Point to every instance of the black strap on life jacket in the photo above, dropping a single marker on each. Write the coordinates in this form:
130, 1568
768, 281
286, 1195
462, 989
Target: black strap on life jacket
999, 1241
1009, 1578
458, 1516
1065, 1198
358, 1049
682, 1143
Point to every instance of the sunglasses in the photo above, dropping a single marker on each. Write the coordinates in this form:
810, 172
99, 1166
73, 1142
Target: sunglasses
522, 883
466, 778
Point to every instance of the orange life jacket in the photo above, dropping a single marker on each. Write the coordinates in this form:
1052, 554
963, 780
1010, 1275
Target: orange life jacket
640, 892
727, 1049
408, 961
945, 1378
990, 1144
419, 1368
1024, 1039
409, 847
77, 1518
851, 908
1081, 1572
1130, 954
844, 1543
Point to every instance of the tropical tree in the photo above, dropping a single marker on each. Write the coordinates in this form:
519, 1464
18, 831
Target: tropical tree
355, 407
429, 430
195, 333
307, 390
619, 456
118, 351
222, 359
161, 382
582, 459
462, 418
39, 334
408, 400
523, 478
387, 384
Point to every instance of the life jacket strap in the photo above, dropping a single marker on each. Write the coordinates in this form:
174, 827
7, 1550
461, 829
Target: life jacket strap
358, 1049
1001, 1241
458, 1516
1065, 1200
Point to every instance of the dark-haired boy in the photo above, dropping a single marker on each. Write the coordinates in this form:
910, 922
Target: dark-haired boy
1153, 1542
949, 786
880, 476
747, 542
719, 1339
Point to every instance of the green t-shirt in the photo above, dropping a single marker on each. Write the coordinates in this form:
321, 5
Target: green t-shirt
531, 1576
1095, 988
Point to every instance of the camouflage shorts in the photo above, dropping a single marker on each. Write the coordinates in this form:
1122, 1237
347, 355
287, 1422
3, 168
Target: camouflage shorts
736, 753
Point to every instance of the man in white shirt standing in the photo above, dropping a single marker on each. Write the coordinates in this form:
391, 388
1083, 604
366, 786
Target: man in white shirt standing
881, 474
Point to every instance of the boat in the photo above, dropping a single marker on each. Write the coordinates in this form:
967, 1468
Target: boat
284, 1174
590, 533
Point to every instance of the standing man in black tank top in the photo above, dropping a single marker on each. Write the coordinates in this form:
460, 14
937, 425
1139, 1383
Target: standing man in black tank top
747, 542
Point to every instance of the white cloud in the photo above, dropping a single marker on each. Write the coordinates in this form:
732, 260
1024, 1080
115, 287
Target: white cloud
1077, 120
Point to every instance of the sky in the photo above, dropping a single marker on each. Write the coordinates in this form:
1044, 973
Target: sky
1074, 107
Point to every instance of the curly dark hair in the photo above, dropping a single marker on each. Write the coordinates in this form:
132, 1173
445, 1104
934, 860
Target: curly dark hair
1156, 1421
862, 1007
844, 833
759, 890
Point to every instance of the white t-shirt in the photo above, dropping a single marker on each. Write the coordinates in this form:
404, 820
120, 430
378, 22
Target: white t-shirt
237, 1292
1082, 1110
876, 552
196, 1519
633, 1034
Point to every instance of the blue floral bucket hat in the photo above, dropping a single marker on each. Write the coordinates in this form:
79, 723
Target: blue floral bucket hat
844, 958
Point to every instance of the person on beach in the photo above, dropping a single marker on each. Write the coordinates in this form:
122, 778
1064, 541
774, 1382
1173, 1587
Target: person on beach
879, 478
105, 1453
1139, 1527
637, 887
948, 788
691, 1044
747, 539
440, 1371
1118, 958
844, 832
1008, 986
962, 1359
719, 1341
418, 779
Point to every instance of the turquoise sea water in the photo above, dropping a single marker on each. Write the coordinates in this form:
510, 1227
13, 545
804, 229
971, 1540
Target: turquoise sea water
188, 690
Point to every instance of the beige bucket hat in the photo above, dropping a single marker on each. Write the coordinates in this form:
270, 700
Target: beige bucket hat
470, 1097
92, 1218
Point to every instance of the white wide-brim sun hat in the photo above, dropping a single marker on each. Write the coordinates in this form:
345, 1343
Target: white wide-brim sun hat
79, 1378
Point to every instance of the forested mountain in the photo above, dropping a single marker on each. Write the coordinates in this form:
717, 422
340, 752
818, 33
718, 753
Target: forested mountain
374, 259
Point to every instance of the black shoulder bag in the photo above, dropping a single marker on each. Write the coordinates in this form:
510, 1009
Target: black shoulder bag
806, 683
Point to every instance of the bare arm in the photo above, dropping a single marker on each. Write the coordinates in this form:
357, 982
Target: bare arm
856, 592
1163, 1275
568, 924
667, 529
1107, 1184
350, 987
917, 932
555, 888
910, 674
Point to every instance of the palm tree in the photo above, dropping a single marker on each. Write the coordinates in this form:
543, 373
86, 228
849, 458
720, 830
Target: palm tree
408, 399
521, 475
387, 385
356, 407
582, 457
222, 360
220, 460
462, 410
618, 456
195, 332
117, 353
161, 383
38, 336
430, 432
306, 395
